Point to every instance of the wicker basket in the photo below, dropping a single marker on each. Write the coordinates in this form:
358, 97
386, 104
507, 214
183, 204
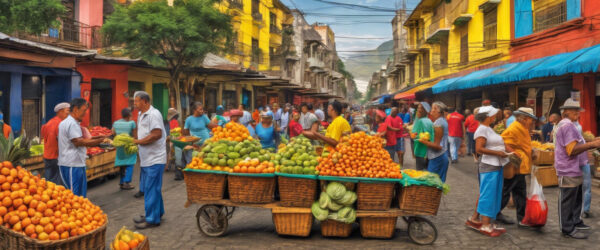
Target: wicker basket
294, 224
251, 189
544, 158
331, 228
297, 192
145, 245
378, 227
93, 240
204, 186
422, 200
374, 196
546, 176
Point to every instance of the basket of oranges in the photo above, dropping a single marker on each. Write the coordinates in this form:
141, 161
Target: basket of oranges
36, 214
126, 239
252, 181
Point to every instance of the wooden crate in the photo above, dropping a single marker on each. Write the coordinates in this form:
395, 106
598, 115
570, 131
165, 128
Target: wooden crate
35, 163
544, 158
101, 165
546, 176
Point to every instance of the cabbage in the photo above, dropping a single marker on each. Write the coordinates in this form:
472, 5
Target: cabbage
319, 213
335, 190
333, 216
324, 200
344, 211
350, 216
334, 206
348, 199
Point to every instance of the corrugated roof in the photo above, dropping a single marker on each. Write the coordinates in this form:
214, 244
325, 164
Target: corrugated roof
4, 38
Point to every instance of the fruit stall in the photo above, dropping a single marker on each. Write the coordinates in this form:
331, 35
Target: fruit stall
355, 182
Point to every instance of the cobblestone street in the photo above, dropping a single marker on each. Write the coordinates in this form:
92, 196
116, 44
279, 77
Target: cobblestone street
253, 228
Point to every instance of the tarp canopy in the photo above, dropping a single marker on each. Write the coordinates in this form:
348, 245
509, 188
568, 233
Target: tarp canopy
580, 61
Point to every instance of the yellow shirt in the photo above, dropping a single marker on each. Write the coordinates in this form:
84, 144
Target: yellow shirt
338, 126
517, 137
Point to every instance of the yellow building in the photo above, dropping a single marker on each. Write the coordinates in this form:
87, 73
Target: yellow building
451, 38
258, 27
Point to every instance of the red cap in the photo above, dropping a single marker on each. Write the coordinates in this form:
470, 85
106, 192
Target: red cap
235, 112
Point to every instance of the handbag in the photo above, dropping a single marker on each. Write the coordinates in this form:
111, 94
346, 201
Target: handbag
512, 168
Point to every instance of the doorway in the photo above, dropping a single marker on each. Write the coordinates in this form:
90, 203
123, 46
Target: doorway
101, 103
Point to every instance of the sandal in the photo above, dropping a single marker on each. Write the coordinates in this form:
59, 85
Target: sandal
501, 229
490, 231
472, 224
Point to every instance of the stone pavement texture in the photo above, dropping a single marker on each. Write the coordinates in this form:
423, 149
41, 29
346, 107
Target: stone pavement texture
252, 228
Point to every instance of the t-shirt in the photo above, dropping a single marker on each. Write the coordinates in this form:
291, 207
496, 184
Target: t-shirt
173, 124
547, 131
440, 122
295, 128
472, 124
422, 125
307, 120
246, 117
455, 126
568, 165
390, 135
381, 127
156, 152
510, 120
251, 131
266, 136
337, 128
285, 120
397, 122
405, 117
198, 126
70, 155
50, 136
493, 142
124, 127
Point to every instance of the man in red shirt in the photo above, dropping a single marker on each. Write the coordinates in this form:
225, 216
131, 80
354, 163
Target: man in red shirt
394, 126
50, 137
471, 125
455, 132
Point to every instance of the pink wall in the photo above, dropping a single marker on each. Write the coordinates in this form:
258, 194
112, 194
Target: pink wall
90, 12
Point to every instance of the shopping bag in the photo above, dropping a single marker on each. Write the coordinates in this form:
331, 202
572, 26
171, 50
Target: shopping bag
536, 210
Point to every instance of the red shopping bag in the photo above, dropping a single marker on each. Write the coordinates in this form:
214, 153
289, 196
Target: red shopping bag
536, 210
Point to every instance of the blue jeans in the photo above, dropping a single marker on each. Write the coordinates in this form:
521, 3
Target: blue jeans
74, 179
126, 174
151, 186
454, 146
400, 144
470, 143
391, 150
439, 165
587, 187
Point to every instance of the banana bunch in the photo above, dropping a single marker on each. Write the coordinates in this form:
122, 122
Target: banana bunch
414, 173
544, 147
425, 135
131, 149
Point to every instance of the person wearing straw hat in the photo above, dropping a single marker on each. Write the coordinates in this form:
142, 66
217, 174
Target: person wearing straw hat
50, 136
422, 124
570, 156
518, 140
172, 116
491, 147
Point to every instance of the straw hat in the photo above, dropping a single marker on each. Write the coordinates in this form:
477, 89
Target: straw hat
526, 112
571, 104
171, 113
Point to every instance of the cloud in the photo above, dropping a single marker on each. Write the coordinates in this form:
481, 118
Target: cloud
361, 85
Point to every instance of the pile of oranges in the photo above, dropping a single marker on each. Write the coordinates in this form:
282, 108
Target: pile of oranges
254, 166
43, 210
197, 163
126, 240
359, 155
232, 131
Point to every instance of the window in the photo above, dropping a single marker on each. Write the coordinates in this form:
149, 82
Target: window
548, 14
411, 73
464, 49
255, 52
273, 21
489, 29
425, 66
255, 4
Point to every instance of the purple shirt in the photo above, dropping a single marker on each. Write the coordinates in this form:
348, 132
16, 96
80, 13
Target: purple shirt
568, 165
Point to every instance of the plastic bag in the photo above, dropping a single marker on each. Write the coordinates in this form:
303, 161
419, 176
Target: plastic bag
536, 210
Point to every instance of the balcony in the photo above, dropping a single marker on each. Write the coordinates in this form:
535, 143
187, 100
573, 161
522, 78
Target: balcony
324, 90
438, 31
458, 13
274, 29
314, 62
236, 4
257, 17
72, 34
276, 61
489, 5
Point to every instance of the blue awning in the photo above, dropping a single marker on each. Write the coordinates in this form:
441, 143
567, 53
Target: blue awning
381, 100
581, 61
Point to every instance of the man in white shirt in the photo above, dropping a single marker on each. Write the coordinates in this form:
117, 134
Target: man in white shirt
246, 116
72, 148
285, 118
153, 157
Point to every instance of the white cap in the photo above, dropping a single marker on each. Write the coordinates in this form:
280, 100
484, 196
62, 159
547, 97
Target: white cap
489, 110
62, 105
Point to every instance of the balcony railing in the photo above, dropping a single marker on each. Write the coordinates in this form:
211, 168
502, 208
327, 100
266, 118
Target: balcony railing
314, 62
71, 34
458, 12
236, 4
275, 29
276, 60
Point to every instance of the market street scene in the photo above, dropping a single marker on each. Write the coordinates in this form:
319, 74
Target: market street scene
269, 124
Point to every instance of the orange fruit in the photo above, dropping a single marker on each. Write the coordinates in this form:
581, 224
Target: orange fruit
29, 230
133, 243
7, 164
5, 171
48, 228
14, 219
64, 235
123, 245
43, 236
54, 236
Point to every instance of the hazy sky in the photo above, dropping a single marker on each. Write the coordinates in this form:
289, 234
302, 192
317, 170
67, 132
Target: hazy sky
355, 28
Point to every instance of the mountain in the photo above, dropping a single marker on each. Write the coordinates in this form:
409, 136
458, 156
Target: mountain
363, 64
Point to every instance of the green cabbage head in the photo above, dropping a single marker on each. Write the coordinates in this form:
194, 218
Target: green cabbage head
319, 213
335, 190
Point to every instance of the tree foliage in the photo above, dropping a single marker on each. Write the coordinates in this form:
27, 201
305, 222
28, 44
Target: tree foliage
30, 16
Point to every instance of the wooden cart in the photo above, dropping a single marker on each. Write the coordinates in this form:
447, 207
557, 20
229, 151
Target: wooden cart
213, 218
101, 165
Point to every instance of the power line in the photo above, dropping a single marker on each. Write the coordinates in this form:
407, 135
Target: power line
358, 6
368, 38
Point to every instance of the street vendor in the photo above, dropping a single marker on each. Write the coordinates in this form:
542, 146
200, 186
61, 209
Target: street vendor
6, 129
338, 127
517, 140
198, 124
267, 131
49, 134
421, 124
437, 150
153, 157
570, 157
72, 148
123, 160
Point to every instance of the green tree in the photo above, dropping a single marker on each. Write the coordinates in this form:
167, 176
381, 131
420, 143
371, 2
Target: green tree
30, 16
176, 37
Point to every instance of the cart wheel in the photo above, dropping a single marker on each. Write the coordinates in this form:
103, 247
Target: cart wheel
212, 220
421, 231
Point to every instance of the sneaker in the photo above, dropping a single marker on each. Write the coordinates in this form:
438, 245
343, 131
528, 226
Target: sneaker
139, 194
576, 234
139, 219
146, 225
127, 186
582, 226
504, 219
